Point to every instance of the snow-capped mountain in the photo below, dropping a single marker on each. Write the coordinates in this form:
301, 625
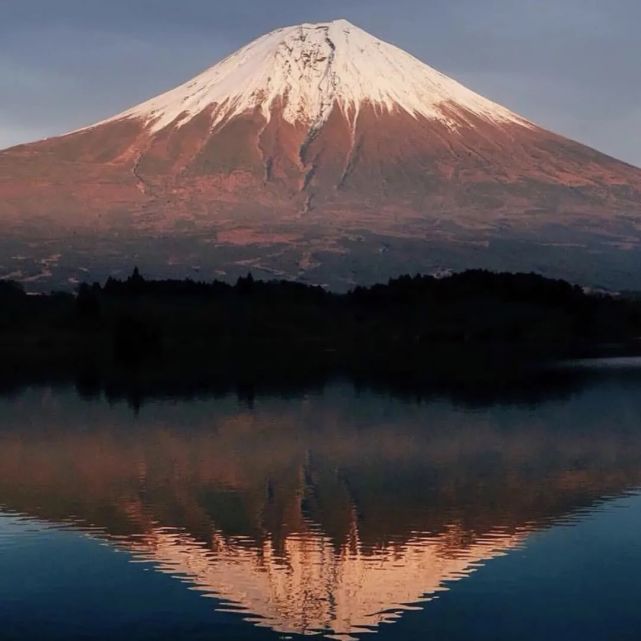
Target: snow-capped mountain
320, 152
310, 69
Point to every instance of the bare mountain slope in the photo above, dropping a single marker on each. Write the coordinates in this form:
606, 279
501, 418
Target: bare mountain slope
318, 152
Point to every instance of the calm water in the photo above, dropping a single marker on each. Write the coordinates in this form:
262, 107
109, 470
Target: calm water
339, 513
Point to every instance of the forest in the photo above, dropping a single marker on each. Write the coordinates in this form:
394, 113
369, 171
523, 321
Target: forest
471, 326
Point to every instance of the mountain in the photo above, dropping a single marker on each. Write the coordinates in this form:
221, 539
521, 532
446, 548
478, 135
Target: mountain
317, 152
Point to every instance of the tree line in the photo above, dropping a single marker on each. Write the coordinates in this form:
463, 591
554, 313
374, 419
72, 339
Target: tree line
408, 325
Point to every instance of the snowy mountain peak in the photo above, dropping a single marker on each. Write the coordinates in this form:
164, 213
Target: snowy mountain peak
320, 153
307, 70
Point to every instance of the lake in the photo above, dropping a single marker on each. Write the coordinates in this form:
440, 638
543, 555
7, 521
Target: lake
338, 511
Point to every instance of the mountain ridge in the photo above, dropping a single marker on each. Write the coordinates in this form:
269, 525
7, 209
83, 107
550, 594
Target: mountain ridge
321, 153
311, 66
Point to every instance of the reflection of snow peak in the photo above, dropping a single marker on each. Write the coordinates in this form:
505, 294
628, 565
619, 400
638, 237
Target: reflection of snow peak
309, 68
313, 586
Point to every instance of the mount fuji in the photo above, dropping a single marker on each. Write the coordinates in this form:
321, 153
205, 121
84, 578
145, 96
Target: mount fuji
320, 153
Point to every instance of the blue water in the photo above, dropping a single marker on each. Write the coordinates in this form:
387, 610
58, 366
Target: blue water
570, 582
342, 512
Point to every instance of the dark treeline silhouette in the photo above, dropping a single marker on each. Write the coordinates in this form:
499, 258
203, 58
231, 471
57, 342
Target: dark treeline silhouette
467, 326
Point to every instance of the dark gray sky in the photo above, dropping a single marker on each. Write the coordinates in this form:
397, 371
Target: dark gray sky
573, 66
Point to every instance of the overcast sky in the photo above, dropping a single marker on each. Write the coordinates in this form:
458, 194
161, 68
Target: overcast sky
573, 66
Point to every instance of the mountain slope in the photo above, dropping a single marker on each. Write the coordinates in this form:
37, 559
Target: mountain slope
318, 151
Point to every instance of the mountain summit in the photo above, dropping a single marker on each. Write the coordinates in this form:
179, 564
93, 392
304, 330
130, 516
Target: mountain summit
303, 72
323, 153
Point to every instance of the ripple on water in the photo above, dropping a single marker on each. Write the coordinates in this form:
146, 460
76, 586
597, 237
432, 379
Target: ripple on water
335, 515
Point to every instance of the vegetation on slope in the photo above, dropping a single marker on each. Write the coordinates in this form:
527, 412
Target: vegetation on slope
452, 327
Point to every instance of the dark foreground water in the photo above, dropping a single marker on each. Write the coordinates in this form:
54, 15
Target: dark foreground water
339, 512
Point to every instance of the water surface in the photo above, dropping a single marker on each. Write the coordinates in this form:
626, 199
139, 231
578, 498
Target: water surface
340, 512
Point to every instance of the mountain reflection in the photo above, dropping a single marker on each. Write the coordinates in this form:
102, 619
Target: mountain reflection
330, 513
